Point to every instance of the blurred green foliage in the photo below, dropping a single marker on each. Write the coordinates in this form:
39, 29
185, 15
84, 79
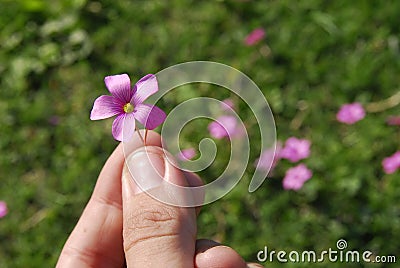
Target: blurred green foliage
316, 56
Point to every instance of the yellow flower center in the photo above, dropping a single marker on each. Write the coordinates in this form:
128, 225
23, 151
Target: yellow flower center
128, 108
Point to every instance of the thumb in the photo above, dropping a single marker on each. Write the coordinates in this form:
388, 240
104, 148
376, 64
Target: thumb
155, 234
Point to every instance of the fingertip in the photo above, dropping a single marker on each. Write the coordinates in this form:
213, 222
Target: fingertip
212, 254
193, 179
152, 139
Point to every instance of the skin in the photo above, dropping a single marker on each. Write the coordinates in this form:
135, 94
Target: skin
124, 227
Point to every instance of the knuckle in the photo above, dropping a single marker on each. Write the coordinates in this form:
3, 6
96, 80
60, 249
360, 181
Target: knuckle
150, 222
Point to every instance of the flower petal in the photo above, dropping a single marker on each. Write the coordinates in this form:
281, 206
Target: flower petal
144, 88
225, 126
104, 107
186, 154
296, 149
123, 127
393, 120
149, 116
254, 37
120, 87
3, 209
350, 113
296, 176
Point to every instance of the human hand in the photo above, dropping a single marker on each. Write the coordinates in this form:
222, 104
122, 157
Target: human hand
122, 226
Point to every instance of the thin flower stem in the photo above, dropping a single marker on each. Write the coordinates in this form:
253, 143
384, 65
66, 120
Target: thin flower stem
145, 136
140, 135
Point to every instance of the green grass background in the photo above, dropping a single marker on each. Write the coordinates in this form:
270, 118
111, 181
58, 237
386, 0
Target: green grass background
316, 56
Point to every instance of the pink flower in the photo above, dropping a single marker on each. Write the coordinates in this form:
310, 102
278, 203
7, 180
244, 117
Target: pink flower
186, 154
225, 126
392, 163
3, 209
254, 37
227, 104
350, 113
127, 104
295, 177
54, 120
269, 158
393, 120
296, 149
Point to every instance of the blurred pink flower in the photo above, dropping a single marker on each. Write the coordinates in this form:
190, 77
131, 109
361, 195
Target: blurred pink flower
392, 163
186, 154
350, 113
225, 126
3, 209
54, 120
254, 37
227, 104
393, 120
127, 104
295, 149
269, 158
295, 177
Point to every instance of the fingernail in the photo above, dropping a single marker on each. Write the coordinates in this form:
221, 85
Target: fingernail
147, 168
173, 175
254, 265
